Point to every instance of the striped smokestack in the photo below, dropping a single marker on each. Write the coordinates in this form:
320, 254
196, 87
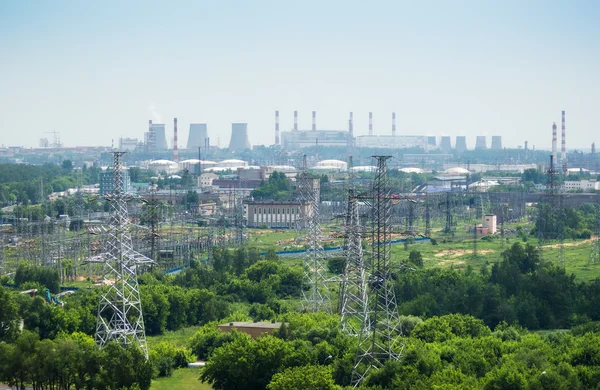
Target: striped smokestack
276, 127
314, 121
563, 144
175, 150
554, 142
295, 120
370, 123
393, 124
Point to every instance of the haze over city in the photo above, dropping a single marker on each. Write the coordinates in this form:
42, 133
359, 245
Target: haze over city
96, 72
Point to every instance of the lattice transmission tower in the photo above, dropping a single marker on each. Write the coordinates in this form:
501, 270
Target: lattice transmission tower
380, 338
315, 292
595, 253
120, 316
353, 292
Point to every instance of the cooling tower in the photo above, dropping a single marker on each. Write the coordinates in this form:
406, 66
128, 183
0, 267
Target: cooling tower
480, 142
160, 136
431, 141
461, 143
496, 142
446, 143
239, 137
198, 133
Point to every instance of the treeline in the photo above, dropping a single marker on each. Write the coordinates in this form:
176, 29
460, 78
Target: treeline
24, 184
72, 361
519, 289
449, 352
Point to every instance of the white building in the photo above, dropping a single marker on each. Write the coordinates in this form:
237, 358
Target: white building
489, 222
206, 179
585, 185
128, 144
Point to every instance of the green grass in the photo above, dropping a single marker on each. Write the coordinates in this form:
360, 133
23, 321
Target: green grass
179, 337
183, 378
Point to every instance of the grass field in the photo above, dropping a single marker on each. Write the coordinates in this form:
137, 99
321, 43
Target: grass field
179, 337
183, 378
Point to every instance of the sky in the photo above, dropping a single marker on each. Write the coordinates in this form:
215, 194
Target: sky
95, 71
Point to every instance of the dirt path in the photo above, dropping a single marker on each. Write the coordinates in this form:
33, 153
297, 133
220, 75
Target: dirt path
459, 252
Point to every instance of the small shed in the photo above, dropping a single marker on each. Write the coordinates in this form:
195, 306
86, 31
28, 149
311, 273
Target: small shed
254, 329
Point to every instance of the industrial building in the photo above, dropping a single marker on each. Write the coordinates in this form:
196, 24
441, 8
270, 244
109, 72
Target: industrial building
293, 140
106, 182
128, 144
461, 144
446, 143
156, 137
392, 142
496, 142
480, 142
274, 214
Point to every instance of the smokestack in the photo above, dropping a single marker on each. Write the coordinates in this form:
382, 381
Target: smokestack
370, 123
554, 141
393, 124
593, 148
295, 120
563, 145
175, 150
314, 121
351, 125
526, 143
276, 127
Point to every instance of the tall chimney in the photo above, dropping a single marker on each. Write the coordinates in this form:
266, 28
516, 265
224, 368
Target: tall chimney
276, 127
351, 125
370, 123
393, 124
295, 120
563, 145
314, 121
175, 150
554, 141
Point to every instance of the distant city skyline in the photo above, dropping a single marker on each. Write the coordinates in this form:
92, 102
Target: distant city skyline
96, 72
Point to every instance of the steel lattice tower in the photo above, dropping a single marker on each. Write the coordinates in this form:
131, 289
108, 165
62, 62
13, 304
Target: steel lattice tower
120, 316
595, 253
315, 292
380, 337
353, 294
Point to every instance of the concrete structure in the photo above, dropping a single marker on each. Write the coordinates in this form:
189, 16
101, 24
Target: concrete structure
277, 142
585, 185
446, 184
254, 329
489, 222
370, 123
198, 136
391, 141
232, 163
294, 140
175, 146
159, 166
480, 142
206, 179
563, 146
239, 137
461, 144
128, 144
496, 142
276, 214
44, 143
554, 152
331, 165
158, 136
446, 143
431, 142
107, 179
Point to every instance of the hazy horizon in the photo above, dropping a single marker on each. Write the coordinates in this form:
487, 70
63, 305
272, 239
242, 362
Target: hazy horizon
96, 71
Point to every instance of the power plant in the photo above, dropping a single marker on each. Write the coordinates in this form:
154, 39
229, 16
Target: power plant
446, 143
461, 144
480, 142
239, 137
156, 137
197, 136
496, 142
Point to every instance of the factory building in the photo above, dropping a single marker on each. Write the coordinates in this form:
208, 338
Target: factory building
293, 140
128, 144
106, 182
276, 214
392, 142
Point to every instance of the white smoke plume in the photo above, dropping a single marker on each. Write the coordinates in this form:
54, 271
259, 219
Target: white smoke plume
156, 117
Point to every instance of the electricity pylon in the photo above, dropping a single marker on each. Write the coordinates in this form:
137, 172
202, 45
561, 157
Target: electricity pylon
315, 291
120, 316
353, 294
380, 337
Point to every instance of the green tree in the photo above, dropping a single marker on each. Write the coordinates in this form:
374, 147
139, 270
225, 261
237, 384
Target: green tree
9, 316
303, 378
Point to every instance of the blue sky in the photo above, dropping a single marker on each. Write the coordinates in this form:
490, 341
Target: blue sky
91, 70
